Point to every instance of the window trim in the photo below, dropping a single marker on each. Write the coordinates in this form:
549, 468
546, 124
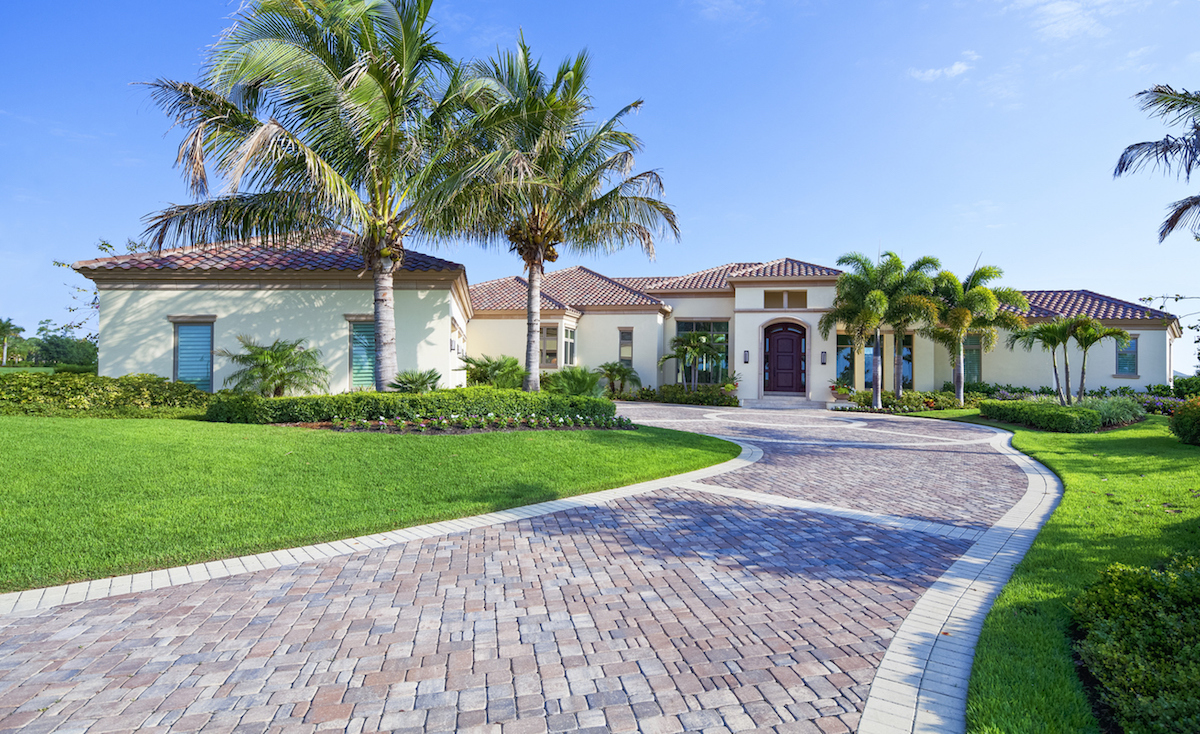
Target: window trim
1137, 364
542, 364
625, 330
680, 373
569, 338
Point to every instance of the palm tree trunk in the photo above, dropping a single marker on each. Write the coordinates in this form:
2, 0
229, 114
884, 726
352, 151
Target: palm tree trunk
958, 375
4, 361
1082, 374
1057, 385
533, 334
876, 371
385, 322
898, 363
1067, 374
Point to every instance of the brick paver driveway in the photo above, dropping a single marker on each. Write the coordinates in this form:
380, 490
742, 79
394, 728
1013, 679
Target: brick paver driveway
762, 598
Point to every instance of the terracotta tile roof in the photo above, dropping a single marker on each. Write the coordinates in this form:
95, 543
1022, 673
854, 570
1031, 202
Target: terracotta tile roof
641, 284
1048, 304
508, 294
333, 251
786, 267
702, 280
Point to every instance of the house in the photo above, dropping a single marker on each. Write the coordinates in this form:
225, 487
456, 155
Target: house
165, 313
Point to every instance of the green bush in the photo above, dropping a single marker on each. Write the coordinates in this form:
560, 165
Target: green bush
89, 392
78, 369
416, 381
702, 395
1160, 391
1141, 640
912, 400
228, 407
1046, 416
503, 372
1185, 422
1187, 387
1115, 411
572, 381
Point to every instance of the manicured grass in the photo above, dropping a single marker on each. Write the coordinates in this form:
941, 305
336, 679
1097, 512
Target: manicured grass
1132, 495
87, 498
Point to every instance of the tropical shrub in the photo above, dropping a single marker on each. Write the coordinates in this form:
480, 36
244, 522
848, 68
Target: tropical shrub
1141, 640
1160, 391
617, 375
230, 407
1044, 415
1115, 411
913, 401
415, 381
572, 381
1187, 387
1185, 422
503, 372
1160, 406
88, 392
278, 369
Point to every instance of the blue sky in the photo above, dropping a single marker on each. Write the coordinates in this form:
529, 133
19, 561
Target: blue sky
781, 127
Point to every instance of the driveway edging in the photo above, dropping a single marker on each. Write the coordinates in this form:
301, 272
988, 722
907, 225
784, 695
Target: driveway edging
921, 684
32, 600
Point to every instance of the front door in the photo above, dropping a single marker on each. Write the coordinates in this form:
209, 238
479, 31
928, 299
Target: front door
783, 363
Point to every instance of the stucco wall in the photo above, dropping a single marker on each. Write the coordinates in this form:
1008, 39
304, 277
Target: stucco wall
598, 341
135, 335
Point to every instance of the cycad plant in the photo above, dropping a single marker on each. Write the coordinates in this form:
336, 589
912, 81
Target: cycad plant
617, 375
416, 381
969, 307
320, 115
574, 381
502, 372
555, 181
276, 370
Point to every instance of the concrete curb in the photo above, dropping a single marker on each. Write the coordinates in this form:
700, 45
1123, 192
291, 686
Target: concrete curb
32, 600
921, 685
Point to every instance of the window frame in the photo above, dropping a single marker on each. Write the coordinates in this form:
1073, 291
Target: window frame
208, 320
977, 348
721, 368
1130, 348
568, 346
542, 337
354, 322
621, 342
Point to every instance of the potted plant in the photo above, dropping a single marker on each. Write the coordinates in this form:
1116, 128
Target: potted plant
840, 387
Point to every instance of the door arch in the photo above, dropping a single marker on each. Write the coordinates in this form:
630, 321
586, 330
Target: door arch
785, 351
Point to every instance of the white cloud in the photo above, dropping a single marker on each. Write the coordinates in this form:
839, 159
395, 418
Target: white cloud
1065, 19
949, 72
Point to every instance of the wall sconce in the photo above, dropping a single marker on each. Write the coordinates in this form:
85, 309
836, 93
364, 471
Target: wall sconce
746, 357
823, 357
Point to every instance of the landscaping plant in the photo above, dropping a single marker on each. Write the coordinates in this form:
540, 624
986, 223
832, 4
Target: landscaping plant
503, 372
415, 381
1185, 422
573, 381
278, 369
617, 375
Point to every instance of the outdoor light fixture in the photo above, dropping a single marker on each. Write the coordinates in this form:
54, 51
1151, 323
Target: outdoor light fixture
823, 357
746, 357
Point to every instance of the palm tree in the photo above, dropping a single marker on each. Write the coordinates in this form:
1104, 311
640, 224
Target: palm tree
319, 115
7, 330
910, 302
274, 371
1050, 335
618, 374
690, 349
969, 308
1181, 154
554, 181
1088, 333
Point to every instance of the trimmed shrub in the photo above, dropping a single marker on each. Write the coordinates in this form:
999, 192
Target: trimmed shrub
1187, 387
702, 395
228, 407
912, 401
1115, 411
1185, 422
88, 392
1042, 415
1141, 640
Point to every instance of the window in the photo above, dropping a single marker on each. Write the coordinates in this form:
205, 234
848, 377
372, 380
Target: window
549, 347
711, 370
362, 355
568, 347
625, 347
972, 360
869, 364
906, 366
1127, 358
194, 354
845, 360
785, 299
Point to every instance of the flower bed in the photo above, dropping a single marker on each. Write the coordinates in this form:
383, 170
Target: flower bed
457, 424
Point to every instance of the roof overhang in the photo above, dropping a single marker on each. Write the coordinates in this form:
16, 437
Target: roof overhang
797, 279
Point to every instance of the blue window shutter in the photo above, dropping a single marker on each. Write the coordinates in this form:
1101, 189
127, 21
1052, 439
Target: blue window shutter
193, 355
362, 354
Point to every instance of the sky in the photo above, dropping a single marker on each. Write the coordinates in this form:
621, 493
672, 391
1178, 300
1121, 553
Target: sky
970, 130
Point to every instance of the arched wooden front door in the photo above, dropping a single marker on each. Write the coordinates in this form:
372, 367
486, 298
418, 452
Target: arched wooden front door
783, 363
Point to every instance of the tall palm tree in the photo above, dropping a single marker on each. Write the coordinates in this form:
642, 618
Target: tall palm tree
910, 302
1180, 154
1050, 335
555, 181
318, 115
1089, 332
970, 308
8, 330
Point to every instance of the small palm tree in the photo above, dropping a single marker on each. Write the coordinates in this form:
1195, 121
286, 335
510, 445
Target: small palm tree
574, 381
8, 330
617, 375
1050, 335
416, 381
274, 371
910, 303
502, 372
970, 308
691, 348
1181, 154
1088, 333
555, 181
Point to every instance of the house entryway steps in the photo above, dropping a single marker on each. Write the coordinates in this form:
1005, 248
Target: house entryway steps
772, 402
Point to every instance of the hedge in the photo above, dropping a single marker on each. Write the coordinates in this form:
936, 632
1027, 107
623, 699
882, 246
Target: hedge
1046, 416
682, 395
89, 392
1185, 422
1141, 640
230, 407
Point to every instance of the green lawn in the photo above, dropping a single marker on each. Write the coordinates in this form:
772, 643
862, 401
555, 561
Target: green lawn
87, 498
1132, 495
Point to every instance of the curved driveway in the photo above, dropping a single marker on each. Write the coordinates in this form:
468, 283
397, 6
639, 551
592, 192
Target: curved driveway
831, 580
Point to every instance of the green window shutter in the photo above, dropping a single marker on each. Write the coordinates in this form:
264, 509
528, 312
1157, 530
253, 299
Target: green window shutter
193, 355
362, 354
